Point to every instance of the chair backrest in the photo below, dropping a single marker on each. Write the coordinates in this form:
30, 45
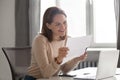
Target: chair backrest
5, 68
19, 59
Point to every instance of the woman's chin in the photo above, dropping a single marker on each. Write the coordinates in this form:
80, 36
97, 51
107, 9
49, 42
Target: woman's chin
62, 34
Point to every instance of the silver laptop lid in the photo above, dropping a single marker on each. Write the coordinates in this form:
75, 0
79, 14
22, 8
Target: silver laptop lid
107, 64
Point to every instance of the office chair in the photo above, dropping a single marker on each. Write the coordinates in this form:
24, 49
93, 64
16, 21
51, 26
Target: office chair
5, 67
19, 60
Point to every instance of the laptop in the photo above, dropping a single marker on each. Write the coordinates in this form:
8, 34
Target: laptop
107, 65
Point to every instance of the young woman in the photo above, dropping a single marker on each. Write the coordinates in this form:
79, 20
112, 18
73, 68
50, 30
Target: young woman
48, 48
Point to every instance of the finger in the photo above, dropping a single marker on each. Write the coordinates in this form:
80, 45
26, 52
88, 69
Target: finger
64, 53
64, 48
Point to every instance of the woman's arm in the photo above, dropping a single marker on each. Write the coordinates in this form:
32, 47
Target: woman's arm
72, 64
47, 68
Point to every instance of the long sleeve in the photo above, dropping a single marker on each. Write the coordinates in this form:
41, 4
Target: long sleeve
47, 68
70, 65
43, 53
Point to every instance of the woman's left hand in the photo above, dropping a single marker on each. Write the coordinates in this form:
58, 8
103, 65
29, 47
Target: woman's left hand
82, 57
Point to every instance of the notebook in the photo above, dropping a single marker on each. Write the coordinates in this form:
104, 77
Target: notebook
107, 65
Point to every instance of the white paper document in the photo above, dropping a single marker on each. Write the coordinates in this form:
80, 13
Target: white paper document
77, 46
85, 73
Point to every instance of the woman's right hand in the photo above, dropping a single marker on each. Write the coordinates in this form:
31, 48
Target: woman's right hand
62, 52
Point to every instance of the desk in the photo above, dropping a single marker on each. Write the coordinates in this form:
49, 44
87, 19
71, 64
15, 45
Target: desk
58, 78
68, 78
116, 77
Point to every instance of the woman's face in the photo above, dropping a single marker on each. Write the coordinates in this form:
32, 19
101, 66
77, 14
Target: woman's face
58, 26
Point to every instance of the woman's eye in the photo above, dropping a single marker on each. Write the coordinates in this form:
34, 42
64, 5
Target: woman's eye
58, 24
65, 23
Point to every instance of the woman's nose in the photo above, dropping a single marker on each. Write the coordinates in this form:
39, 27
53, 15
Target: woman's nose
63, 26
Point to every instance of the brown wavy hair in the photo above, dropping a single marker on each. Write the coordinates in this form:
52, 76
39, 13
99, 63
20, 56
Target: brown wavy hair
48, 18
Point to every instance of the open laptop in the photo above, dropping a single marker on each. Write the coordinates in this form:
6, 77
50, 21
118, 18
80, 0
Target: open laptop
107, 65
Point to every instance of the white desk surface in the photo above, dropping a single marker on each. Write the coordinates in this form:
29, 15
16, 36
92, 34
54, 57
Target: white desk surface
58, 78
117, 77
69, 78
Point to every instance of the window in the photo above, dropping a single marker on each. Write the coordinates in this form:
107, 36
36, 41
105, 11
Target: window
44, 5
90, 17
76, 16
104, 22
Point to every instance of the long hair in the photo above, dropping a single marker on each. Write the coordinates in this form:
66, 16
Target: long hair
48, 18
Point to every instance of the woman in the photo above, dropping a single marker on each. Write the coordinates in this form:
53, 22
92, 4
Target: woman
48, 48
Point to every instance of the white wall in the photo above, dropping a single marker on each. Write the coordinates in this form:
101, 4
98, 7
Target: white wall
7, 33
7, 23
